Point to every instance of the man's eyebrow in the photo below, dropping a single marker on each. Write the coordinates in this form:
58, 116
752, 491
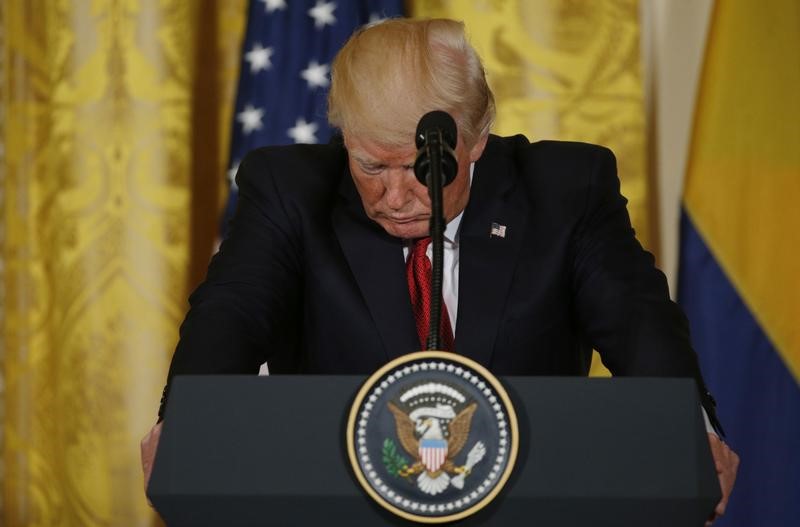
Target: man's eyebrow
363, 161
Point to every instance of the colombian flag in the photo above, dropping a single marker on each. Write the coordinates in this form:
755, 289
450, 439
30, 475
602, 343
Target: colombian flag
740, 256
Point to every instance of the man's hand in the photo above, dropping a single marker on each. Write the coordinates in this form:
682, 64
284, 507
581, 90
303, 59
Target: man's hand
148, 446
727, 463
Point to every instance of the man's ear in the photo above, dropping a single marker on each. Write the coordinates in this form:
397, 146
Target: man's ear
476, 151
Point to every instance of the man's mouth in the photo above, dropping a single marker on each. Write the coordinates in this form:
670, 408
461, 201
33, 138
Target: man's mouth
403, 220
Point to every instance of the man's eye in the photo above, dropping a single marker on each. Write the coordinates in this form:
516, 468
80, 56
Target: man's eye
372, 169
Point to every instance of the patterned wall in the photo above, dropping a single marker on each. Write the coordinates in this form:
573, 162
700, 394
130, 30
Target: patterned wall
2, 243
111, 126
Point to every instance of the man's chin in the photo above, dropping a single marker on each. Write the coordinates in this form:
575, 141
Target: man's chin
408, 230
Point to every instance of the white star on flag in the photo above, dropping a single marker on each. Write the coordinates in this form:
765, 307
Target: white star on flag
316, 74
250, 118
274, 5
322, 13
303, 132
259, 58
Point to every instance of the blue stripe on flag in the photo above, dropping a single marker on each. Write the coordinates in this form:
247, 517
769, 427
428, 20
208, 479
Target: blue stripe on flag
758, 398
433, 443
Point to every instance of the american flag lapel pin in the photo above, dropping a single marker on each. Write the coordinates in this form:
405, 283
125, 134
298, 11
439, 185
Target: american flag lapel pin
498, 231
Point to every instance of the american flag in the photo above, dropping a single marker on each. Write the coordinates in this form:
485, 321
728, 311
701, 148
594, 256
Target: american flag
285, 72
497, 230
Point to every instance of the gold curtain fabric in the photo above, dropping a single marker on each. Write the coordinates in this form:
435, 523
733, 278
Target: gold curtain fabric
113, 133
569, 70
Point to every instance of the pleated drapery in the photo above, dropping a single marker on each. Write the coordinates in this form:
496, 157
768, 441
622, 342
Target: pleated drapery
112, 133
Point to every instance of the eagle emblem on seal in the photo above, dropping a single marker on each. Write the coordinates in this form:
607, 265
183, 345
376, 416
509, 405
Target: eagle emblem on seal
433, 422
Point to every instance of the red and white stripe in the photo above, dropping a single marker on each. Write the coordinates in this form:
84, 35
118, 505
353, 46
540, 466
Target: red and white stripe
433, 457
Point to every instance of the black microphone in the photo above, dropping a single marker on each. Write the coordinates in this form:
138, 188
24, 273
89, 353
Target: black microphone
435, 167
436, 142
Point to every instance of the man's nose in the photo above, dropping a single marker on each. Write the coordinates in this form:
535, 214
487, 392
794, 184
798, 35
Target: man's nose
399, 187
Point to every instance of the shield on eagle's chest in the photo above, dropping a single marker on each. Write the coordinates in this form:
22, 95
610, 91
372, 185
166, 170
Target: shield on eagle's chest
433, 453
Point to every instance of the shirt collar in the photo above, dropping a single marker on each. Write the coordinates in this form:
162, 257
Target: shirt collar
451, 232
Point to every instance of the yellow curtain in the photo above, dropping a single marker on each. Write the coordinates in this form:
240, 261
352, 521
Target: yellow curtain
115, 120
566, 70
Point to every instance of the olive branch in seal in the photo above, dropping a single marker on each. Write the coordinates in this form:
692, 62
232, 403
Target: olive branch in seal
394, 462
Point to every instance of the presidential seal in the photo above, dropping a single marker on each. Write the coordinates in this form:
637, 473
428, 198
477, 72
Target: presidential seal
432, 436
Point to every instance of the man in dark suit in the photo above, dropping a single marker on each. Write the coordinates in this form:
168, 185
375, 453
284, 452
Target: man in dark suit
541, 262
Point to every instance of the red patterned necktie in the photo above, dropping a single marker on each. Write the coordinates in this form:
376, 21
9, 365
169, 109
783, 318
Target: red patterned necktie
418, 273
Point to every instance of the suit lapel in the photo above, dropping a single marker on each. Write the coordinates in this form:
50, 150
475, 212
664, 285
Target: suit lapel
487, 262
376, 261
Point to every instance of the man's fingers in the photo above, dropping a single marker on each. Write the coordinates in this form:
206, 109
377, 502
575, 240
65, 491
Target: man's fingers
148, 448
726, 462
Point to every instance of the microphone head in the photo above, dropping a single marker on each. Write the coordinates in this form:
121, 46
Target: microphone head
437, 120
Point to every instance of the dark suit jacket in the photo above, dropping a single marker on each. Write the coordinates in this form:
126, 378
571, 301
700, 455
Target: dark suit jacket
308, 283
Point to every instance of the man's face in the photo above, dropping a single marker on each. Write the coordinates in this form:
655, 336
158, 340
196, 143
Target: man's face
390, 192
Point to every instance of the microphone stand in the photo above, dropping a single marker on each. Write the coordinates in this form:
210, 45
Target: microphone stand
434, 145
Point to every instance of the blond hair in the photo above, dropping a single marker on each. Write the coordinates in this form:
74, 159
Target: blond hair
390, 74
